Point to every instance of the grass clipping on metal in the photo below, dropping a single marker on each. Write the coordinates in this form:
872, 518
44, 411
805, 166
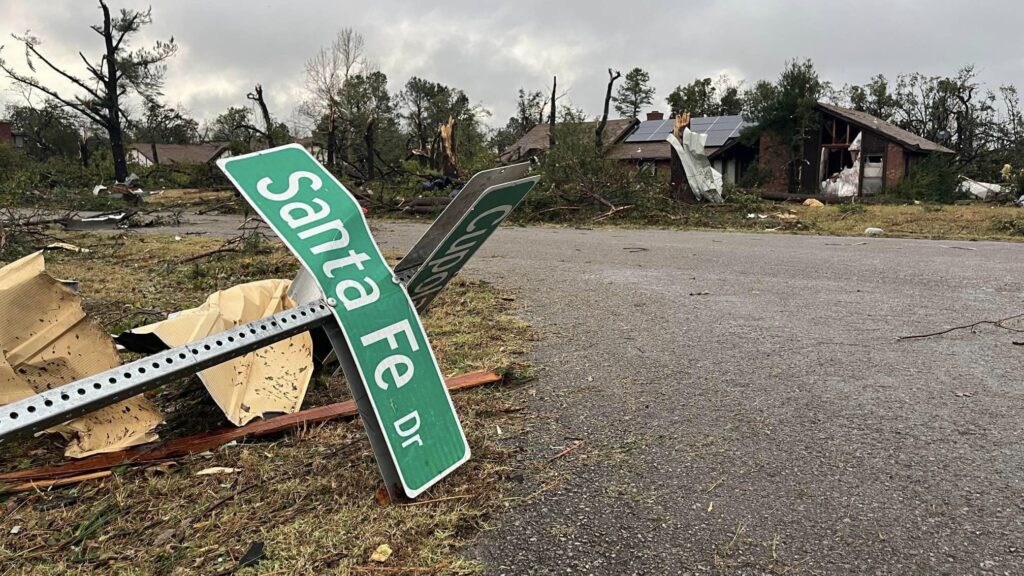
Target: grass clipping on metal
306, 499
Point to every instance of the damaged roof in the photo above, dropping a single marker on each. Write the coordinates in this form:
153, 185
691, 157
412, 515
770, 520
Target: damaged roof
182, 153
536, 140
890, 131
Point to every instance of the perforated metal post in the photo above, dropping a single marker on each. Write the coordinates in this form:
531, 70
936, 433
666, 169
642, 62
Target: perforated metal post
63, 403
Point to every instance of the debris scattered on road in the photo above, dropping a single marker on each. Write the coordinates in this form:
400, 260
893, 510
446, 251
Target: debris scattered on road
108, 221
566, 452
635, 249
702, 293
963, 394
958, 247
1001, 323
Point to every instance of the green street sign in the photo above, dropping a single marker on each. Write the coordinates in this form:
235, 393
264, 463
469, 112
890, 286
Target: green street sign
388, 362
465, 238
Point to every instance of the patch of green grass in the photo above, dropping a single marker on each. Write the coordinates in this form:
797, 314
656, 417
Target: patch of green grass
307, 495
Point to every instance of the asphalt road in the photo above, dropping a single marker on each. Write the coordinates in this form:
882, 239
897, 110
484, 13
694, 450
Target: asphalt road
744, 406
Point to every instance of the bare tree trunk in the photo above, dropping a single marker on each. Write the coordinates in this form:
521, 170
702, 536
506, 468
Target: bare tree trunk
449, 163
113, 124
332, 137
613, 75
368, 138
83, 147
551, 118
268, 124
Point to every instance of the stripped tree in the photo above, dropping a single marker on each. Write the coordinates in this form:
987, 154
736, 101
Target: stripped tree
119, 72
613, 75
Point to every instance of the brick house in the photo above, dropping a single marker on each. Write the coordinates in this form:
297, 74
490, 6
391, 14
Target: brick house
11, 135
887, 153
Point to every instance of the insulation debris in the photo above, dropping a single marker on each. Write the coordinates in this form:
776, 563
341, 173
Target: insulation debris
48, 341
271, 380
705, 181
109, 221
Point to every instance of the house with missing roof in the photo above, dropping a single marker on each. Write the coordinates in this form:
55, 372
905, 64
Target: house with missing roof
868, 153
146, 154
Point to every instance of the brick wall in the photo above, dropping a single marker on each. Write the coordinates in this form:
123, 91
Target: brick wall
774, 156
894, 165
5, 133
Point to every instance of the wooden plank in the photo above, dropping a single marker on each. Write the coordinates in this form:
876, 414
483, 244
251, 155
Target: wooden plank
180, 447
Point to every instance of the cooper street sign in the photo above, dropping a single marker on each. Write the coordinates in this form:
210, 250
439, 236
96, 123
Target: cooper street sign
388, 362
465, 238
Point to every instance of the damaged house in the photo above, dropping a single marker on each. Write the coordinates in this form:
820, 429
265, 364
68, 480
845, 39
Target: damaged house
537, 140
852, 153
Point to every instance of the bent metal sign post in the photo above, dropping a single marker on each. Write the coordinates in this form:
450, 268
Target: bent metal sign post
395, 379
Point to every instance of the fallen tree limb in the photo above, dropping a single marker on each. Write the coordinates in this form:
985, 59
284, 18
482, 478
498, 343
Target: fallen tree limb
180, 447
1001, 323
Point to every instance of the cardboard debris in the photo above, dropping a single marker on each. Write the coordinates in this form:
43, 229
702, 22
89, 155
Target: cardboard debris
48, 341
271, 380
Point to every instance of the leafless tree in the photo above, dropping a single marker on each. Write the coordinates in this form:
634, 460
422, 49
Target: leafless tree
268, 123
102, 92
326, 74
613, 75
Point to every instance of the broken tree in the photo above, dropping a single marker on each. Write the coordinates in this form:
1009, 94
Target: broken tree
118, 73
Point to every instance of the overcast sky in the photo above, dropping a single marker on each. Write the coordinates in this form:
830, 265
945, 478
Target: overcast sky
491, 51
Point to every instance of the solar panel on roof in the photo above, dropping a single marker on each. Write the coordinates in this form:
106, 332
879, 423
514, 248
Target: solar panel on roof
718, 128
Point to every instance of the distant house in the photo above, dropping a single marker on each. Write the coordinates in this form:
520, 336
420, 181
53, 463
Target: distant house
9, 134
885, 153
536, 141
141, 153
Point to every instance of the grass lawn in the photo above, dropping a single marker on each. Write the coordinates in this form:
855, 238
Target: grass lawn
308, 496
934, 221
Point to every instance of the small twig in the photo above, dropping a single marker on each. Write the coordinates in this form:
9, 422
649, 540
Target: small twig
566, 452
613, 211
208, 254
997, 323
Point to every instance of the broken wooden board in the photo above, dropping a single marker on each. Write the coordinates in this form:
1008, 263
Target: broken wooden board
180, 447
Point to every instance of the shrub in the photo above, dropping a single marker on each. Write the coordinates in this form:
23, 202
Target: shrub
579, 181
933, 179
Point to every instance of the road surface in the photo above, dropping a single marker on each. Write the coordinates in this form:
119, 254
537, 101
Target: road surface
744, 406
